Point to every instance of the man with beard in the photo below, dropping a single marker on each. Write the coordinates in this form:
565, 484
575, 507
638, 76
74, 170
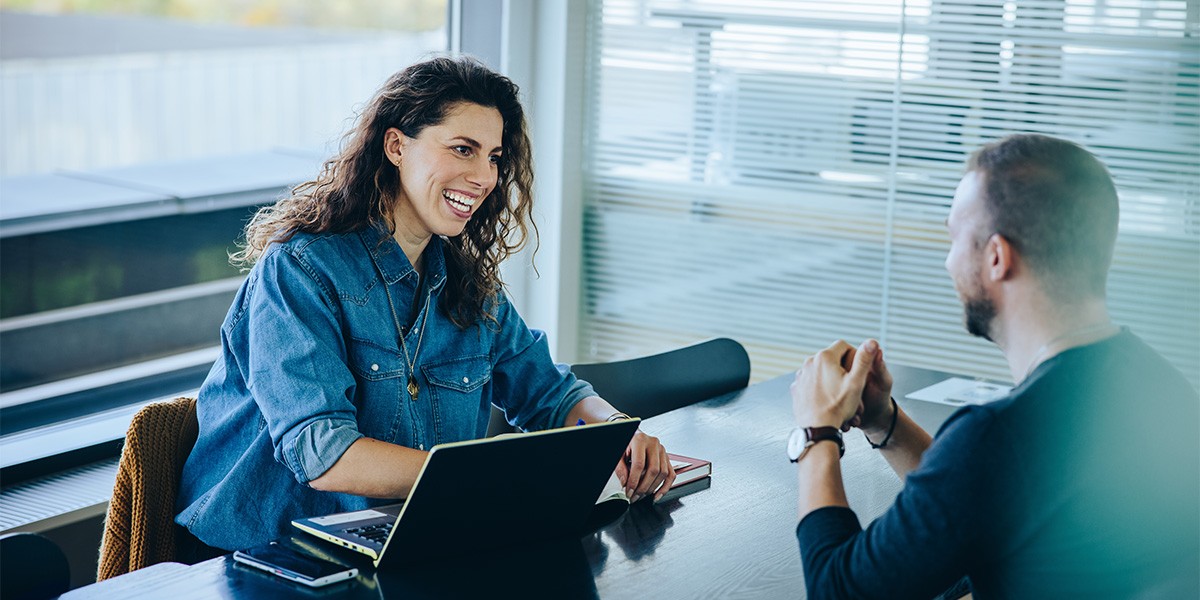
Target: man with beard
1083, 482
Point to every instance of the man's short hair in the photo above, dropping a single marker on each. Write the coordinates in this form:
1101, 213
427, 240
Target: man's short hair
1056, 204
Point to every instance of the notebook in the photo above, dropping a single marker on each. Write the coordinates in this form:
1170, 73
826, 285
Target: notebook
487, 493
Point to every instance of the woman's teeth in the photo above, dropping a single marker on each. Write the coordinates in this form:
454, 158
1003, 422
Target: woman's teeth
459, 201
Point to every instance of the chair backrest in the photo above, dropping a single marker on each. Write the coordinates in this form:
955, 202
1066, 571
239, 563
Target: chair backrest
140, 528
32, 567
651, 385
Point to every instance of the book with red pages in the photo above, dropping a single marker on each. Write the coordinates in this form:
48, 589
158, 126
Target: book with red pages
691, 475
688, 469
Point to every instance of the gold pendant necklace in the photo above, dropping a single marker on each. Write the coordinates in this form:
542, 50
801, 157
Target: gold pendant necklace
413, 389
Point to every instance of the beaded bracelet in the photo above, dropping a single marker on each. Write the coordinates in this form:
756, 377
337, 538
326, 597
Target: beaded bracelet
891, 429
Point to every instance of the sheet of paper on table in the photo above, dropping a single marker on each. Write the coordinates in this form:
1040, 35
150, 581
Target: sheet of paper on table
957, 391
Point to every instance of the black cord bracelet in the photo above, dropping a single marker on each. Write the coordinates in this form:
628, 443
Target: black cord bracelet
891, 429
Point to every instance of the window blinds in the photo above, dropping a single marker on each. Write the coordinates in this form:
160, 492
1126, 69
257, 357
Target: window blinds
780, 172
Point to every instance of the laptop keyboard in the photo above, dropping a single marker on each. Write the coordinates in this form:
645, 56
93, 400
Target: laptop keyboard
376, 533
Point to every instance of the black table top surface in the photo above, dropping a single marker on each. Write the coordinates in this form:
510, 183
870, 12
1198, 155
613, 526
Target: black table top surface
735, 539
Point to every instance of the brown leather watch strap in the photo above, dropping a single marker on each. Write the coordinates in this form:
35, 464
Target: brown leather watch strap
821, 434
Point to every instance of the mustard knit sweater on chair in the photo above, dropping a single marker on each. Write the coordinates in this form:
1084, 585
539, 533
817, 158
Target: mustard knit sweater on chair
140, 528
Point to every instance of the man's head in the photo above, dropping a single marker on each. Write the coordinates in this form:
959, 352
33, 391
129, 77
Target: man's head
1046, 200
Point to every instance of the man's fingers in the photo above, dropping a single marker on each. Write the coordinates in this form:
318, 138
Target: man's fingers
847, 359
854, 421
881, 370
834, 353
863, 360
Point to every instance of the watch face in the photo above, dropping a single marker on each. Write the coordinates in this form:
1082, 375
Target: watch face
796, 442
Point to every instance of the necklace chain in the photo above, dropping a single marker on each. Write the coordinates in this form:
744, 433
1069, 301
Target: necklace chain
413, 388
1073, 335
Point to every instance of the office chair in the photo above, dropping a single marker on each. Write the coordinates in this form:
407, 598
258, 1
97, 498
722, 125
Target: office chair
139, 530
32, 567
652, 385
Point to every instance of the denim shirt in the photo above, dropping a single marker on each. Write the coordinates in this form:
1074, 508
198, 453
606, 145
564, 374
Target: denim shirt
311, 362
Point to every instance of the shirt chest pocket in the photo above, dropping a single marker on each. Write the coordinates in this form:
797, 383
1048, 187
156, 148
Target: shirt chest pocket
457, 387
380, 378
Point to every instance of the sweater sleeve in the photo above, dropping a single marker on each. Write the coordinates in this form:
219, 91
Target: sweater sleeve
942, 519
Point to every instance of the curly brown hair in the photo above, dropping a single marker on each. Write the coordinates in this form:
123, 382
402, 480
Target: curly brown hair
359, 187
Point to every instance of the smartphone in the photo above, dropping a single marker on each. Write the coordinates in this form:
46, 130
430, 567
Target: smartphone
294, 566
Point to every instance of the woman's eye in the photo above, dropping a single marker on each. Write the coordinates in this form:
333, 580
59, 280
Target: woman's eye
463, 150
496, 158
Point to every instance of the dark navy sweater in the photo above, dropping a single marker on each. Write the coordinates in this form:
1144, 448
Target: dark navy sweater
1083, 483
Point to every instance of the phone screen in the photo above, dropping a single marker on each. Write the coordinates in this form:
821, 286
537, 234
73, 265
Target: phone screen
290, 564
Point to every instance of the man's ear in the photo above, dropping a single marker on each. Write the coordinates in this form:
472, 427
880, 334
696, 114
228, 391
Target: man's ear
393, 145
1001, 258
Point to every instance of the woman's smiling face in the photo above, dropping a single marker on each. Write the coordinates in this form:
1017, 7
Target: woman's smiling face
447, 171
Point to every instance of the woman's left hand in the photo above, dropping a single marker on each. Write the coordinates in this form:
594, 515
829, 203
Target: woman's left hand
645, 468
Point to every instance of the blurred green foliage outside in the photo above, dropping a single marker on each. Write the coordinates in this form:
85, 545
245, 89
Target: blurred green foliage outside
391, 15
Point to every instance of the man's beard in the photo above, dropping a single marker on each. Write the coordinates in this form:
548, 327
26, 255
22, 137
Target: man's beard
979, 311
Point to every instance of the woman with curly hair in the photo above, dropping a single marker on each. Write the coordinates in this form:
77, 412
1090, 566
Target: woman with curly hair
373, 323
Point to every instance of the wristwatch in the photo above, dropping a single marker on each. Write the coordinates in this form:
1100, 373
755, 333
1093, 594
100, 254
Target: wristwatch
803, 438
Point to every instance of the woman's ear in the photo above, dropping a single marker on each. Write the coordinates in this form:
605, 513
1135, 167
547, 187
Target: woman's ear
393, 145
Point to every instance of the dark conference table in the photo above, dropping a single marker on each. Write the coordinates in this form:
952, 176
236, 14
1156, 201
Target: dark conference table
735, 539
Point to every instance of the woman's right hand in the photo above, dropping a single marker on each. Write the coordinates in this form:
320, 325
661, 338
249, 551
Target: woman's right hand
645, 468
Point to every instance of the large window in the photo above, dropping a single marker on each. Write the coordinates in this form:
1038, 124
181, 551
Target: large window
138, 138
101, 84
780, 172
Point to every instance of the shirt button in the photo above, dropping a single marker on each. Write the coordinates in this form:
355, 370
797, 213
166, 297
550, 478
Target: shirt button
466, 380
421, 446
374, 367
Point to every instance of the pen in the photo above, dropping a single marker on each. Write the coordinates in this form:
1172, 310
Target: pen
579, 422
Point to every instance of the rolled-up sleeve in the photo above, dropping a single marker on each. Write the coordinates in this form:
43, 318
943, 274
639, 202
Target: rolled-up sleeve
297, 371
533, 391
317, 446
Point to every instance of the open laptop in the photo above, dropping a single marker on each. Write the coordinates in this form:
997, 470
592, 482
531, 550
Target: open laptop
487, 493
